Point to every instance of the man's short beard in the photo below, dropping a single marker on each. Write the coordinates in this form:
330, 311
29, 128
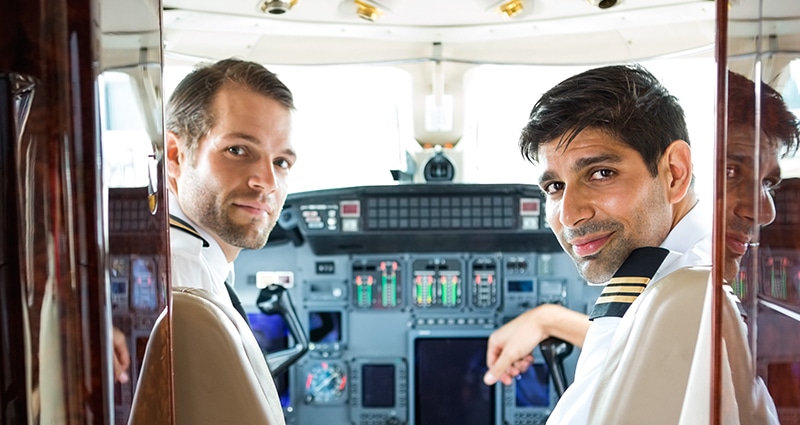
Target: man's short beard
601, 270
242, 236
606, 273
206, 206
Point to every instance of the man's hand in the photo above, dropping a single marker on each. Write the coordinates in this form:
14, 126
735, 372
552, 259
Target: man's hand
122, 359
510, 348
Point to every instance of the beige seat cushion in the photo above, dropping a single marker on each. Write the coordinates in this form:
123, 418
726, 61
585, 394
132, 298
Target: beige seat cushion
220, 374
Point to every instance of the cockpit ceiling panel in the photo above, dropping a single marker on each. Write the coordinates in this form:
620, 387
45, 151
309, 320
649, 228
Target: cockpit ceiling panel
602, 46
553, 33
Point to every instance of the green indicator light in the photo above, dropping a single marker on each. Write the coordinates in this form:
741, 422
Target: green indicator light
394, 289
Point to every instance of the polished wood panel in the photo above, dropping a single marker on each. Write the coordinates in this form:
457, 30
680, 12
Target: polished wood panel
59, 210
13, 398
719, 225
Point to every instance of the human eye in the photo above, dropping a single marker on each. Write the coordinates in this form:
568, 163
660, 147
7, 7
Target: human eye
283, 163
771, 185
602, 174
737, 174
236, 150
552, 188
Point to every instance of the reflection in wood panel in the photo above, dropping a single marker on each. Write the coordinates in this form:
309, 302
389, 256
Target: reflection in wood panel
59, 212
13, 397
778, 345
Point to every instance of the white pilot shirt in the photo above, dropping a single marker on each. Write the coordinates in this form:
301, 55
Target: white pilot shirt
689, 244
193, 265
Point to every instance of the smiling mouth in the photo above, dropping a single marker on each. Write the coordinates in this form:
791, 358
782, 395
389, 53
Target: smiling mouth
736, 246
253, 210
591, 247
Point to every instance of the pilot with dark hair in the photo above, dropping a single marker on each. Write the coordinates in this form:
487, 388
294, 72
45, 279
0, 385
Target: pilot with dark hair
617, 174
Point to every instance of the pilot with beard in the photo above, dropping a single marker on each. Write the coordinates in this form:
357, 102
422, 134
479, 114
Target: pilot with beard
228, 161
614, 149
510, 346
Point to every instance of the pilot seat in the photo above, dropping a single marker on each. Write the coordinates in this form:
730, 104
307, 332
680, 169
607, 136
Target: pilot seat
220, 373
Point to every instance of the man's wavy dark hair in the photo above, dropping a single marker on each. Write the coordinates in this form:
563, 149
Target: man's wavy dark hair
624, 101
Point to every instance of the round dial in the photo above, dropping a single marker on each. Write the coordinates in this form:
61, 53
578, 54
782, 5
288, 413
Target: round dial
325, 383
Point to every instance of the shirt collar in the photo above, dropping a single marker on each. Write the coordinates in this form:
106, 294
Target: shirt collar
691, 229
215, 257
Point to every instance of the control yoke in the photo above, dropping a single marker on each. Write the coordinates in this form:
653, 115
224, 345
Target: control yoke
274, 299
555, 351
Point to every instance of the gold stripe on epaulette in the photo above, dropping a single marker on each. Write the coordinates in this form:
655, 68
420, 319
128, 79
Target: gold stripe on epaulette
628, 299
623, 290
619, 280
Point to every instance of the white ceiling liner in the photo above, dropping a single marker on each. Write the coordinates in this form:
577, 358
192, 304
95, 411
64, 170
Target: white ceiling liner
547, 32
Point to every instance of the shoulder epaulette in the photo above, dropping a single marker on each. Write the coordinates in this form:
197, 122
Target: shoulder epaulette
177, 223
628, 282
739, 306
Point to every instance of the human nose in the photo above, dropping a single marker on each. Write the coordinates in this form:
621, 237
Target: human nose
263, 177
574, 207
766, 208
758, 208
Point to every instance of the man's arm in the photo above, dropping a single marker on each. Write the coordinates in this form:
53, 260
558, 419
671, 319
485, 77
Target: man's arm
510, 347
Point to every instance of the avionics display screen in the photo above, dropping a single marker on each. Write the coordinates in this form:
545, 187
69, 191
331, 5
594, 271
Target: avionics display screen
378, 385
533, 387
520, 285
325, 327
272, 335
449, 382
144, 293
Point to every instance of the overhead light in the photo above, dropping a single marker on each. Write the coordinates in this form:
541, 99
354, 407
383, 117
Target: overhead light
367, 10
508, 8
511, 8
276, 7
602, 4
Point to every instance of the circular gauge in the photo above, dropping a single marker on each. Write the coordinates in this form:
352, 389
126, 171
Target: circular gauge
325, 383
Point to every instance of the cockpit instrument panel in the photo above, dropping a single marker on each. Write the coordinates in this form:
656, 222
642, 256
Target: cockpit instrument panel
399, 287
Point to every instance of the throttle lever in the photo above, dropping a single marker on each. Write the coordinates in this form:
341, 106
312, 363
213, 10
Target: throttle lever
274, 299
554, 351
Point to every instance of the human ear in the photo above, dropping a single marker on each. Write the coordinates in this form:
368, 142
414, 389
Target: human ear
677, 170
175, 157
